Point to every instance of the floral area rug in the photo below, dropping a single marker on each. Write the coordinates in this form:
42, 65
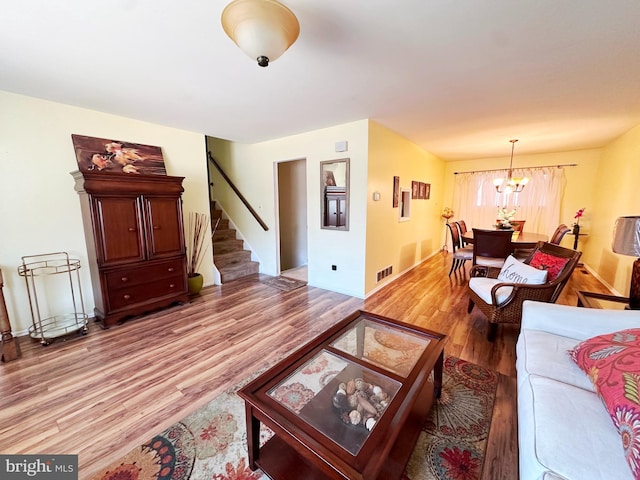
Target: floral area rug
210, 444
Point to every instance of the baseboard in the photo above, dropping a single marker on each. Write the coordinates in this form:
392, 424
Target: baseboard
602, 280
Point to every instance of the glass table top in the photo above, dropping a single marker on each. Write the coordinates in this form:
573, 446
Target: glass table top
386, 346
340, 398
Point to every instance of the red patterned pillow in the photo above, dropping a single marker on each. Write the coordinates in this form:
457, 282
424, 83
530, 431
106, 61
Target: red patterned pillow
612, 362
552, 264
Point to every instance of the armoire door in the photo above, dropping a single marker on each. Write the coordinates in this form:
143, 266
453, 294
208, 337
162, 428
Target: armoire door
164, 220
118, 230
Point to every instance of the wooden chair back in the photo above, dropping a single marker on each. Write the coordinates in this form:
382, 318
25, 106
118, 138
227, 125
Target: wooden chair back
491, 244
518, 225
560, 232
455, 236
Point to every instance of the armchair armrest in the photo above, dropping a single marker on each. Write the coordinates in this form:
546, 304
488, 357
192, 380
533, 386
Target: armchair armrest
484, 271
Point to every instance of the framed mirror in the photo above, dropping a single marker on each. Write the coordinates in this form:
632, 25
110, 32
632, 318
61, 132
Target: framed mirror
334, 192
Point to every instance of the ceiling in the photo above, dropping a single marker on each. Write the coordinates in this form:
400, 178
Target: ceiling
458, 78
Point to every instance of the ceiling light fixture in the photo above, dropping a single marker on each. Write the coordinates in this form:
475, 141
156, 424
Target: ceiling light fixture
512, 184
263, 29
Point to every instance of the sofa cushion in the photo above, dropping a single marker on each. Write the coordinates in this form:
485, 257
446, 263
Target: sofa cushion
514, 271
545, 354
552, 264
564, 430
612, 362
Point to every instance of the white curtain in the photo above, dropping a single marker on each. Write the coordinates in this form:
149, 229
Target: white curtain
476, 201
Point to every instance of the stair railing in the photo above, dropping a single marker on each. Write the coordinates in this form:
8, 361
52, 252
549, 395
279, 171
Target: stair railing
235, 189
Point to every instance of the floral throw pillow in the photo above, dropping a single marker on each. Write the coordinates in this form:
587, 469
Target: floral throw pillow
612, 362
552, 264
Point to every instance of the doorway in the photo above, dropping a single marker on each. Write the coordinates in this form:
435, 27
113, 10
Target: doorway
292, 218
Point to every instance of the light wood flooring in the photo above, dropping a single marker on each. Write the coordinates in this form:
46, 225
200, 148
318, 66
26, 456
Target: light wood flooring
101, 395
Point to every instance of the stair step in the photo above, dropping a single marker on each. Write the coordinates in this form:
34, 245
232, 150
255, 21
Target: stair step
222, 225
225, 246
234, 272
232, 258
224, 234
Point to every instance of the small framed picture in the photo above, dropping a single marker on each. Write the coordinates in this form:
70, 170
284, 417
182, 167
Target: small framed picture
415, 189
428, 191
396, 191
423, 190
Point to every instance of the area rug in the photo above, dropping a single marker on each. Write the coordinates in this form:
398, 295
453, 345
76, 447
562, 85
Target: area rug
284, 283
210, 444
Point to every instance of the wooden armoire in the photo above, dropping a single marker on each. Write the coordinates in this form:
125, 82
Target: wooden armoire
134, 231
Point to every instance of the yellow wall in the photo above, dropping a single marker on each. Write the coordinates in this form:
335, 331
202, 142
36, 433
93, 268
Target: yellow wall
618, 194
40, 210
581, 182
389, 241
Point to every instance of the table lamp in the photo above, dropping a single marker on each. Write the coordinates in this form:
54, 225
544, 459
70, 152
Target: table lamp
626, 241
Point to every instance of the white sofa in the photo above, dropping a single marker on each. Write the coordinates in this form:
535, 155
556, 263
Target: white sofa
564, 430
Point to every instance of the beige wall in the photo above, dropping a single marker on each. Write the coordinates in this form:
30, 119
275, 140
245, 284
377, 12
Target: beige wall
389, 241
40, 210
616, 194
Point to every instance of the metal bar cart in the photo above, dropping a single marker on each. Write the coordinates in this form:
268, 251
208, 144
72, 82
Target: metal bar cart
34, 269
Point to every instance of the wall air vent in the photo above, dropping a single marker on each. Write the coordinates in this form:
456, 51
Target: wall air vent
385, 272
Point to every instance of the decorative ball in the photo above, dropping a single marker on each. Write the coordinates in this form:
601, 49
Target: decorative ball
355, 417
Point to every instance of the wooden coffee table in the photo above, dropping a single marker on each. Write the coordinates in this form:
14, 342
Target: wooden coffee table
373, 365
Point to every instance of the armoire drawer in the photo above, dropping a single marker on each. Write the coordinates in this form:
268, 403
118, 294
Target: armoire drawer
152, 289
128, 277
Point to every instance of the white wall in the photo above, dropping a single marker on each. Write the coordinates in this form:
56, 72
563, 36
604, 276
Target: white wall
250, 167
40, 210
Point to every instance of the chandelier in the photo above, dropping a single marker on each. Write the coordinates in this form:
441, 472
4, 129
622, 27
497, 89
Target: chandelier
263, 29
511, 184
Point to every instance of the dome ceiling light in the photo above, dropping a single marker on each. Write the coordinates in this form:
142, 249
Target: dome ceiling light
263, 29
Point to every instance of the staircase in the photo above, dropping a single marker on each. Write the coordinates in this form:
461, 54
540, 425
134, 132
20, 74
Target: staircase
229, 256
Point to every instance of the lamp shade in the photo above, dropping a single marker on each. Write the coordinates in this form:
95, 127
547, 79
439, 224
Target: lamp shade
263, 29
626, 236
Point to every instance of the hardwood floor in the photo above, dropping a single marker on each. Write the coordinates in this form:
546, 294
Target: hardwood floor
101, 395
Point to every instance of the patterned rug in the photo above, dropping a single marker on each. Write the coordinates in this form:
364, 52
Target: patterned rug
284, 283
210, 444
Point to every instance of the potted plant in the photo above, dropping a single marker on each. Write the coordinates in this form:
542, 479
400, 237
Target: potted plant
198, 240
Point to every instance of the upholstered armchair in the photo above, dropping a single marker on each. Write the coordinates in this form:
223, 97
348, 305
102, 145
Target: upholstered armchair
501, 300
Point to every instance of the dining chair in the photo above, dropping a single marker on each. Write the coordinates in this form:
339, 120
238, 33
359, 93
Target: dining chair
460, 254
559, 234
462, 226
518, 225
501, 301
491, 247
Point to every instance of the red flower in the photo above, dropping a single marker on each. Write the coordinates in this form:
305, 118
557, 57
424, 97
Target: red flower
579, 213
459, 464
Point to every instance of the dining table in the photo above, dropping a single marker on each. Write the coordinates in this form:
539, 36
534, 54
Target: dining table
519, 239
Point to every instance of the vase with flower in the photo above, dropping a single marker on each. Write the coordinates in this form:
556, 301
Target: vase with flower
447, 213
576, 224
504, 218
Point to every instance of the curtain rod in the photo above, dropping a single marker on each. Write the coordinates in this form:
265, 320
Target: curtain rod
520, 168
